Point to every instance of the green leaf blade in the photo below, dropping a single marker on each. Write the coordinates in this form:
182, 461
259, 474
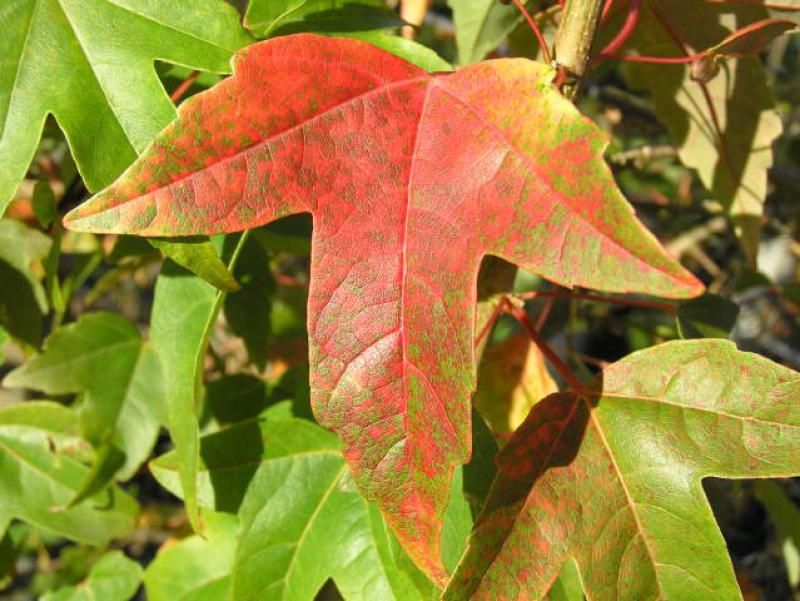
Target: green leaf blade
617, 485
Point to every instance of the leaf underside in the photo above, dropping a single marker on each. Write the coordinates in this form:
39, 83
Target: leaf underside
411, 180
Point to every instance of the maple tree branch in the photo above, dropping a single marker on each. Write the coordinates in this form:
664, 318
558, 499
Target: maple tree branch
184, 87
624, 33
570, 378
600, 298
574, 39
536, 31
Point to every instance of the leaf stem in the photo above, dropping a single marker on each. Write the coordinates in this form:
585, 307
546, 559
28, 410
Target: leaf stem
624, 33
184, 87
536, 31
570, 378
600, 298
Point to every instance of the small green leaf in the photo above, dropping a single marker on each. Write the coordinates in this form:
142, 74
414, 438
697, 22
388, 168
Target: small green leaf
708, 316
113, 578
44, 204
281, 17
185, 309
414, 52
196, 568
101, 358
785, 516
23, 302
480, 26
38, 450
3, 340
197, 254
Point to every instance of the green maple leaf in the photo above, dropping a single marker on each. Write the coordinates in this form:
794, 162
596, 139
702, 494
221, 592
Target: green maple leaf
90, 63
612, 479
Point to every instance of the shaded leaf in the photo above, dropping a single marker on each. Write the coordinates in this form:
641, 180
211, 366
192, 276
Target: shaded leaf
101, 358
90, 63
724, 128
512, 377
44, 204
281, 17
615, 483
236, 398
411, 179
248, 311
708, 316
38, 473
301, 519
113, 578
195, 568
185, 309
23, 302
197, 254
480, 26
785, 516
12, 545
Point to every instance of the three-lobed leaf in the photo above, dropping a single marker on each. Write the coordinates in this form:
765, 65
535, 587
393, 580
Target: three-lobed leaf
613, 480
90, 63
411, 180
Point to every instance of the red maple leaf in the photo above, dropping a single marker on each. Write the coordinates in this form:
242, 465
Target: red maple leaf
411, 179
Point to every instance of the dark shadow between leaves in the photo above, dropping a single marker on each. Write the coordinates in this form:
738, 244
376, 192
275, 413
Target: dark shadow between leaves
20, 313
232, 458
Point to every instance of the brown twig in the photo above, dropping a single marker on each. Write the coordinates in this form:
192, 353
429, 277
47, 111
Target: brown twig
184, 87
599, 298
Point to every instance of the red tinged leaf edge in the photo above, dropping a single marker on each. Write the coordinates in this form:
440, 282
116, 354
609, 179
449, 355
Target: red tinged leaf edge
612, 479
411, 179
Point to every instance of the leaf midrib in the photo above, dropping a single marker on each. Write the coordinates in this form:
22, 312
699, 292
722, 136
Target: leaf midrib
660, 401
630, 502
537, 171
274, 137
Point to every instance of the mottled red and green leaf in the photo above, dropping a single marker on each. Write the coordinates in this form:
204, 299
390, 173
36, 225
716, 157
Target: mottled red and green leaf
411, 179
613, 480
